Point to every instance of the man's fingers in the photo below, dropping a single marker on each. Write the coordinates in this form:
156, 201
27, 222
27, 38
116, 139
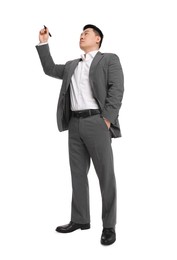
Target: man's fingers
43, 31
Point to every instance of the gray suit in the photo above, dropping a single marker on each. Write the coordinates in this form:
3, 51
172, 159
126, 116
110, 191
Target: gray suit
90, 137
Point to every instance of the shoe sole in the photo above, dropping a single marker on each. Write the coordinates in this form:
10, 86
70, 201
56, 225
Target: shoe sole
108, 244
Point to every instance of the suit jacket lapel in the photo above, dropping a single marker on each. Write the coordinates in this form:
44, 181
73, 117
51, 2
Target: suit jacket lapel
71, 71
93, 66
95, 62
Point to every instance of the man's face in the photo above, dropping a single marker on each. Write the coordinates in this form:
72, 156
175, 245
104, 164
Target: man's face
89, 40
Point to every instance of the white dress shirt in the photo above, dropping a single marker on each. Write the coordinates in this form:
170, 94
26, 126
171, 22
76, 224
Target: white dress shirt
80, 90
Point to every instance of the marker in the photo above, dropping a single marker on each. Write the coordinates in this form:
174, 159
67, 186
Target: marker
49, 32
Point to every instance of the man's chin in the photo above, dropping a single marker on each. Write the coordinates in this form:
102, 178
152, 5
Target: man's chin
82, 47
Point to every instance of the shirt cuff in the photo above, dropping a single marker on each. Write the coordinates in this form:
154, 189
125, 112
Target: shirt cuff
42, 43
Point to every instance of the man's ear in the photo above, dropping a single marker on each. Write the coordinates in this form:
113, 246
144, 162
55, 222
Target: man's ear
98, 39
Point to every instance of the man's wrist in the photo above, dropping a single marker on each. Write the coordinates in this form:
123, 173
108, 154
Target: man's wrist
42, 43
106, 119
107, 122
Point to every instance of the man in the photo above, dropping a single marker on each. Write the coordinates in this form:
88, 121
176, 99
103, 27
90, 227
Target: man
88, 106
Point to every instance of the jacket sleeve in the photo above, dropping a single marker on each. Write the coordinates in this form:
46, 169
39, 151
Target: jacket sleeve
50, 68
115, 90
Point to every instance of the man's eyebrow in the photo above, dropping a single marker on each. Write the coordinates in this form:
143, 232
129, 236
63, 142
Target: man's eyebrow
86, 31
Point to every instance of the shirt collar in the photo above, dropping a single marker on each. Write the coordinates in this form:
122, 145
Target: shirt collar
89, 55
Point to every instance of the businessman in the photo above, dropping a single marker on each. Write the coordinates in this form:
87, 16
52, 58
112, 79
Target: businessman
88, 107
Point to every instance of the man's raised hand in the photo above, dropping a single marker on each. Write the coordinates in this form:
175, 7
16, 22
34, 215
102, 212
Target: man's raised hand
44, 35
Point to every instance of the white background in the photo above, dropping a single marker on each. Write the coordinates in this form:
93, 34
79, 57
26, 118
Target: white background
35, 184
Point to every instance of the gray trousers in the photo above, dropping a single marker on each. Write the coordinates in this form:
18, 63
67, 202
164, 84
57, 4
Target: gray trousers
89, 138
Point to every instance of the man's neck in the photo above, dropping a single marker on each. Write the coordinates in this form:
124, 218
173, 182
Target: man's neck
90, 50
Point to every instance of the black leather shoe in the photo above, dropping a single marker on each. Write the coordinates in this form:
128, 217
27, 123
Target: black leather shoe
108, 236
72, 227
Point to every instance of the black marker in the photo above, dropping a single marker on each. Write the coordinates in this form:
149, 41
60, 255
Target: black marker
49, 32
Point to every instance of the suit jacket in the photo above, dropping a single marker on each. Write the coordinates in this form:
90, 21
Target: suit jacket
106, 81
